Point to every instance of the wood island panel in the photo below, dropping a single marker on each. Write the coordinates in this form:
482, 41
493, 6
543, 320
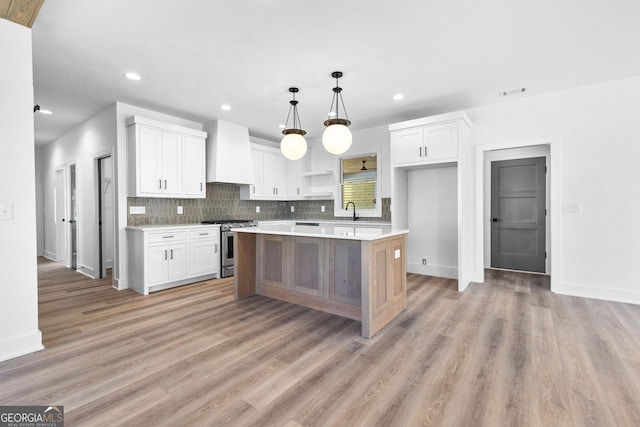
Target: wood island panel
361, 280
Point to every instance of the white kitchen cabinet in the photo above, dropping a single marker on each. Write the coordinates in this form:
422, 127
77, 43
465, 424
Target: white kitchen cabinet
165, 160
270, 170
167, 263
274, 175
161, 257
297, 186
204, 251
194, 170
432, 143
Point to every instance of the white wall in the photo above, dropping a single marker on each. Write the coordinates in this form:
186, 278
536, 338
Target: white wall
598, 133
123, 112
434, 233
364, 141
510, 154
19, 333
80, 146
39, 204
104, 133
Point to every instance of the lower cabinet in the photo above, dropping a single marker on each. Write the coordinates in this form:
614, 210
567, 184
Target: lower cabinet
167, 263
204, 251
164, 257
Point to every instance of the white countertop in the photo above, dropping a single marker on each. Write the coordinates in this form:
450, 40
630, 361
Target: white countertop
163, 227
324, 231
328, 222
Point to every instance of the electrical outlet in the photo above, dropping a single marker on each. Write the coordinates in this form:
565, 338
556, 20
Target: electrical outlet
322, 208
180, 210
293, 209
257, 209
6, 212
572, 208
424, 261
137, 210
437, 207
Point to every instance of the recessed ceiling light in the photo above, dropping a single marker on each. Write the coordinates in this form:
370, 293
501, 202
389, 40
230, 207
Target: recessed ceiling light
45, 111
398, 97
132, 76
225, 107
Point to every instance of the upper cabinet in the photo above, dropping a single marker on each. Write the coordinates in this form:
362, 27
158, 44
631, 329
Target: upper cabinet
269, 169
165, 160
426, 141
297, 186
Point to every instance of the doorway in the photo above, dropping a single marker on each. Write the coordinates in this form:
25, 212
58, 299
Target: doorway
73, 217
105, 215
518, 214
60, 215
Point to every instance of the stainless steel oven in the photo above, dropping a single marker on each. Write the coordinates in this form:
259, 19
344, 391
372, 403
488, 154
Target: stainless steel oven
226, 243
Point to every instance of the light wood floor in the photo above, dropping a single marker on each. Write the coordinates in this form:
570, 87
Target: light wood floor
507, 352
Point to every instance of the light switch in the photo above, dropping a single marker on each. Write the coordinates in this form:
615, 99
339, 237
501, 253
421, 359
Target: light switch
437, 207
6, 212
180, 210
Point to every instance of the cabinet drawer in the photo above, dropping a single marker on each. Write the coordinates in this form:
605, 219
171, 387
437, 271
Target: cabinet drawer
205, 233
167, 236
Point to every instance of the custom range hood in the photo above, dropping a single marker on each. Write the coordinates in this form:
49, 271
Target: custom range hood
228, 153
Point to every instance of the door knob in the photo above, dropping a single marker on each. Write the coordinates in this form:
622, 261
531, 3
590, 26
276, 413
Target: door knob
496, 219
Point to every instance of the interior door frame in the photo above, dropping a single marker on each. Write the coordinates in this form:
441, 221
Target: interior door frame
97, 238
61, 237
554, 212
514, 154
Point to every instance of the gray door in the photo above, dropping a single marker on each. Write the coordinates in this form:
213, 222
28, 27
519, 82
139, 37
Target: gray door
518, 210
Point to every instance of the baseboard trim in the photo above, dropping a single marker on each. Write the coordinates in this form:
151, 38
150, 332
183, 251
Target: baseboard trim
20, 346
49, 255
608, 294
432, 270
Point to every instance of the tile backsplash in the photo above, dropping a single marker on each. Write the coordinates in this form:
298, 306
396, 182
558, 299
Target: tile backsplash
223, 202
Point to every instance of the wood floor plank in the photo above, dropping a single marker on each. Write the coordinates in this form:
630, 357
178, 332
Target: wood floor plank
505, 352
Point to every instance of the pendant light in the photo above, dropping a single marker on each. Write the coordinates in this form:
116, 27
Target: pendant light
337, 138
293, 144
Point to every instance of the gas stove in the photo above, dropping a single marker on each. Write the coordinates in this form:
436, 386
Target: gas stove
227, 260
228, 224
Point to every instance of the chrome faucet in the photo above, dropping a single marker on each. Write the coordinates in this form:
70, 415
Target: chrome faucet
346, 208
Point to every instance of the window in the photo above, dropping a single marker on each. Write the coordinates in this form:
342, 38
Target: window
359, 184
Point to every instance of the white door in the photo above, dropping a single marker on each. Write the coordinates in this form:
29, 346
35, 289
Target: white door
60, 220
106, 225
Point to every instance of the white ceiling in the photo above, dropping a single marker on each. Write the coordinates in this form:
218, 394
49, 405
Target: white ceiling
195, 55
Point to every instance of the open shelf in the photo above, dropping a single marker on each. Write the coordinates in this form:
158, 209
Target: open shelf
318, 173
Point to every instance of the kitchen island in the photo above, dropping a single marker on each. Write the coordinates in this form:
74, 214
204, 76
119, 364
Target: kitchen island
351, 271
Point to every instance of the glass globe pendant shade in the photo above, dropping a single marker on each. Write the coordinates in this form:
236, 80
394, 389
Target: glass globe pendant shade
336, 138
293, 146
